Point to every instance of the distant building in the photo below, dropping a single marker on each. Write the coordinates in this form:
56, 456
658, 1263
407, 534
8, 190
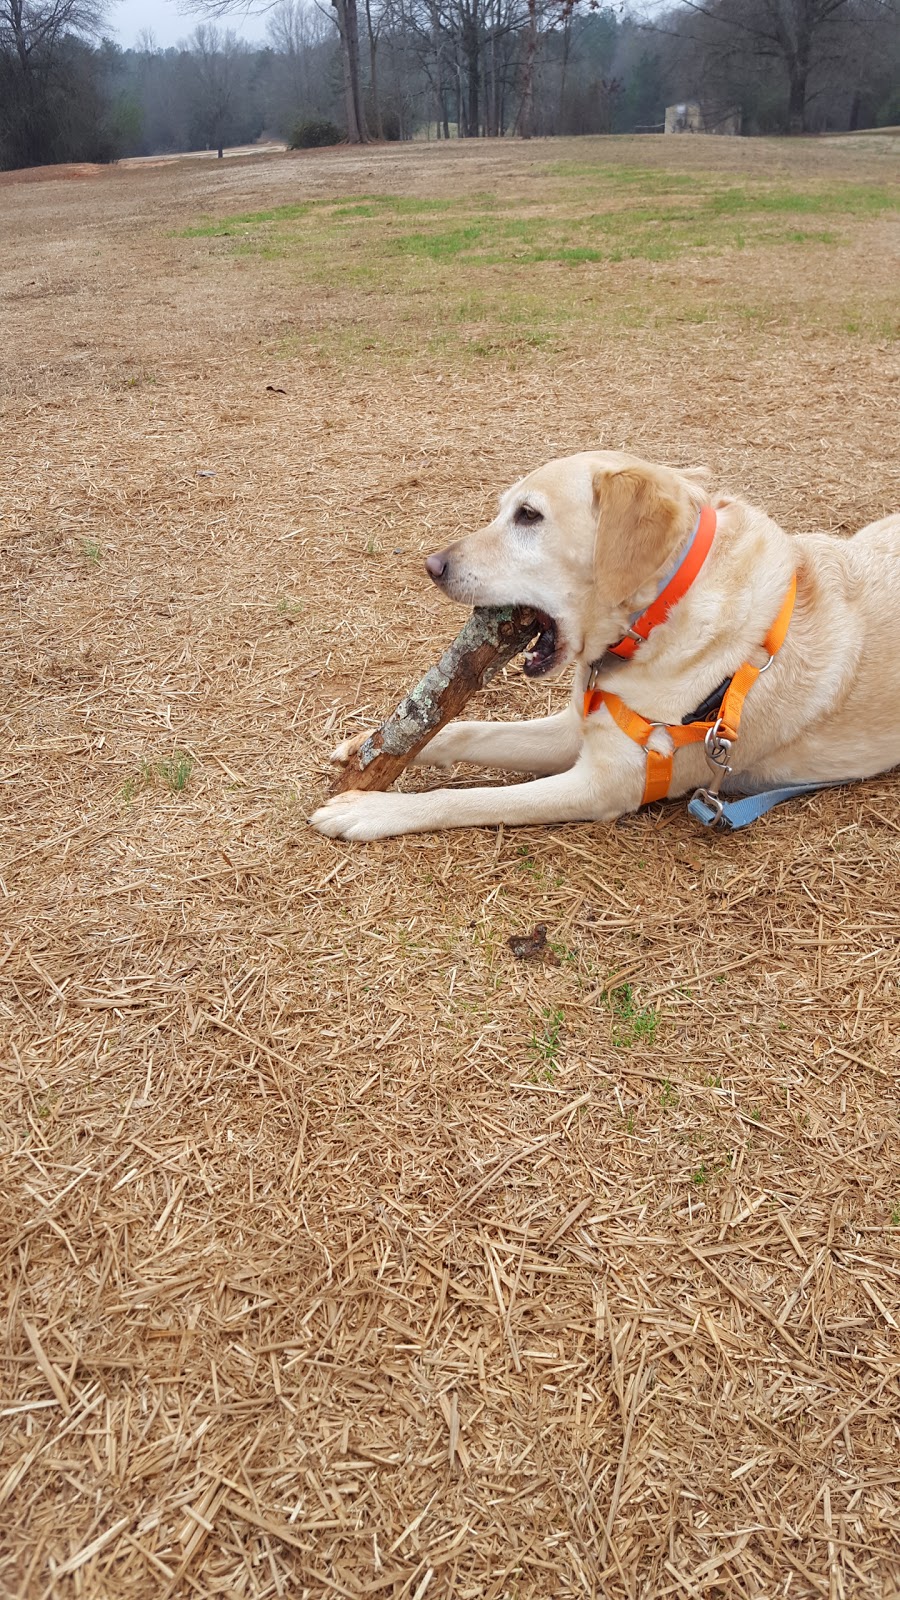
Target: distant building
692, 117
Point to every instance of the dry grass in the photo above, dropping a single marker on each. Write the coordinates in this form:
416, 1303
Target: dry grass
344, 1252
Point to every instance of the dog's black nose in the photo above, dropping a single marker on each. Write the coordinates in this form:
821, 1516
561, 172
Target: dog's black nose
436, 565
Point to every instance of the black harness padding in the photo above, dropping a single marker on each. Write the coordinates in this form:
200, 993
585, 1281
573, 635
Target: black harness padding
713, 702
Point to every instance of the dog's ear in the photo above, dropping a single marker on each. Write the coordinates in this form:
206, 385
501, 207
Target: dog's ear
643, 514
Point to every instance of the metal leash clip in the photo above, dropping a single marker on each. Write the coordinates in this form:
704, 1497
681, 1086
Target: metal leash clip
717, 750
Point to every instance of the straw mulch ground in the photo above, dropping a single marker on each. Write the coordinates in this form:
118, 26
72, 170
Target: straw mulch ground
346, 1252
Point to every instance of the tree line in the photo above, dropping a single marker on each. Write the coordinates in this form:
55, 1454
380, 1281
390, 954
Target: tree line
402, 69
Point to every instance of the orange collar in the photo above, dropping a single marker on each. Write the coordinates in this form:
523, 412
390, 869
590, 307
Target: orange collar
659, 766
686, 571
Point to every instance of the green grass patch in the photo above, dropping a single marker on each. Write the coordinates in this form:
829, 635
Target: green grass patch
849, 199
248, 221
632, 1024
546, 1042
396, 205
647, 216
176, 772
509, 276
650, 180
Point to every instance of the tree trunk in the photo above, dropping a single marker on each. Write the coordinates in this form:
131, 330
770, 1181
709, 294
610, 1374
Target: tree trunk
373, 65
29, 140
472, 50
348, 27
493, 123
526, 109
797, 99
438, 81
567, 34
440, 89
353, 54
794, 32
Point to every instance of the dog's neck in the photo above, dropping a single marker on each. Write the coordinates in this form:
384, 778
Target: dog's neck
719, 623
657, 598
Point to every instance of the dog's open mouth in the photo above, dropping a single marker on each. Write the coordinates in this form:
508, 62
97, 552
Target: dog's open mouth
545, 651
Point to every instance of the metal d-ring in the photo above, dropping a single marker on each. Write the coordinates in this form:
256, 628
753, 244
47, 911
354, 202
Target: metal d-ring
717, 751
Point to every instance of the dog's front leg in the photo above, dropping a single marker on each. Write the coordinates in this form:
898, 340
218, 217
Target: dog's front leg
540, 744
586, 793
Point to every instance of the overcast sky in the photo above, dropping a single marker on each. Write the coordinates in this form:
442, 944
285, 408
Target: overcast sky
129, 18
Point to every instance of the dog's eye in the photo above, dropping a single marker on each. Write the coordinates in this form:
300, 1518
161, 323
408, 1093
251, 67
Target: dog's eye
527, 515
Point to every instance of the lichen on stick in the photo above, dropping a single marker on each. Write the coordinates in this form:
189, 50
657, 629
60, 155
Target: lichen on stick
490, 638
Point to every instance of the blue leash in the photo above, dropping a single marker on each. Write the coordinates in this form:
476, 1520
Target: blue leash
709, 809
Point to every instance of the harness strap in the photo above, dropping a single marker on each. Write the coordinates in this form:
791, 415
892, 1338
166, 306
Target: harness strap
686, 571
658, 779
746, 676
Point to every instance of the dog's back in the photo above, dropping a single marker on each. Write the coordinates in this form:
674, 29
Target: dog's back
881, 539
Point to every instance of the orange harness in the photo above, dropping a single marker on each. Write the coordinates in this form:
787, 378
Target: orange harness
724, 727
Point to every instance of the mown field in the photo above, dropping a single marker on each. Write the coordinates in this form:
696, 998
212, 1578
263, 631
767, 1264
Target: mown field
346, 1251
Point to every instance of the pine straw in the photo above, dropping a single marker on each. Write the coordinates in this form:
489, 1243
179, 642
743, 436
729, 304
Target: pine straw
344, 1253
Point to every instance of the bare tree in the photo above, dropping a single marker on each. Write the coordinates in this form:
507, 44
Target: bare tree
217, 57
526, 109
33, 30
792, 33
346, 19
484, 36
301, 36
551, 14
374, 26
489, 66
33, 35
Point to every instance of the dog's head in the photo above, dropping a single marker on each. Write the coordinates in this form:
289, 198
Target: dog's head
583, 541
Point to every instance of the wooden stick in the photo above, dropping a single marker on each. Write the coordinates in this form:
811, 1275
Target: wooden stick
490, 638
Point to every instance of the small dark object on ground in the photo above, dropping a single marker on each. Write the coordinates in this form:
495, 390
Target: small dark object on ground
533, 946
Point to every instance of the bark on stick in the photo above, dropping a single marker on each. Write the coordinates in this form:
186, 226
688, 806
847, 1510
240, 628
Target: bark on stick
490, 638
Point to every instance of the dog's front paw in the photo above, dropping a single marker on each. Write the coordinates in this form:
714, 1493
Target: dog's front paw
342, 752
360, 815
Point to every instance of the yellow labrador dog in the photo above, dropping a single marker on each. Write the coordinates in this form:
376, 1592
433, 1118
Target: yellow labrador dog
661, 597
